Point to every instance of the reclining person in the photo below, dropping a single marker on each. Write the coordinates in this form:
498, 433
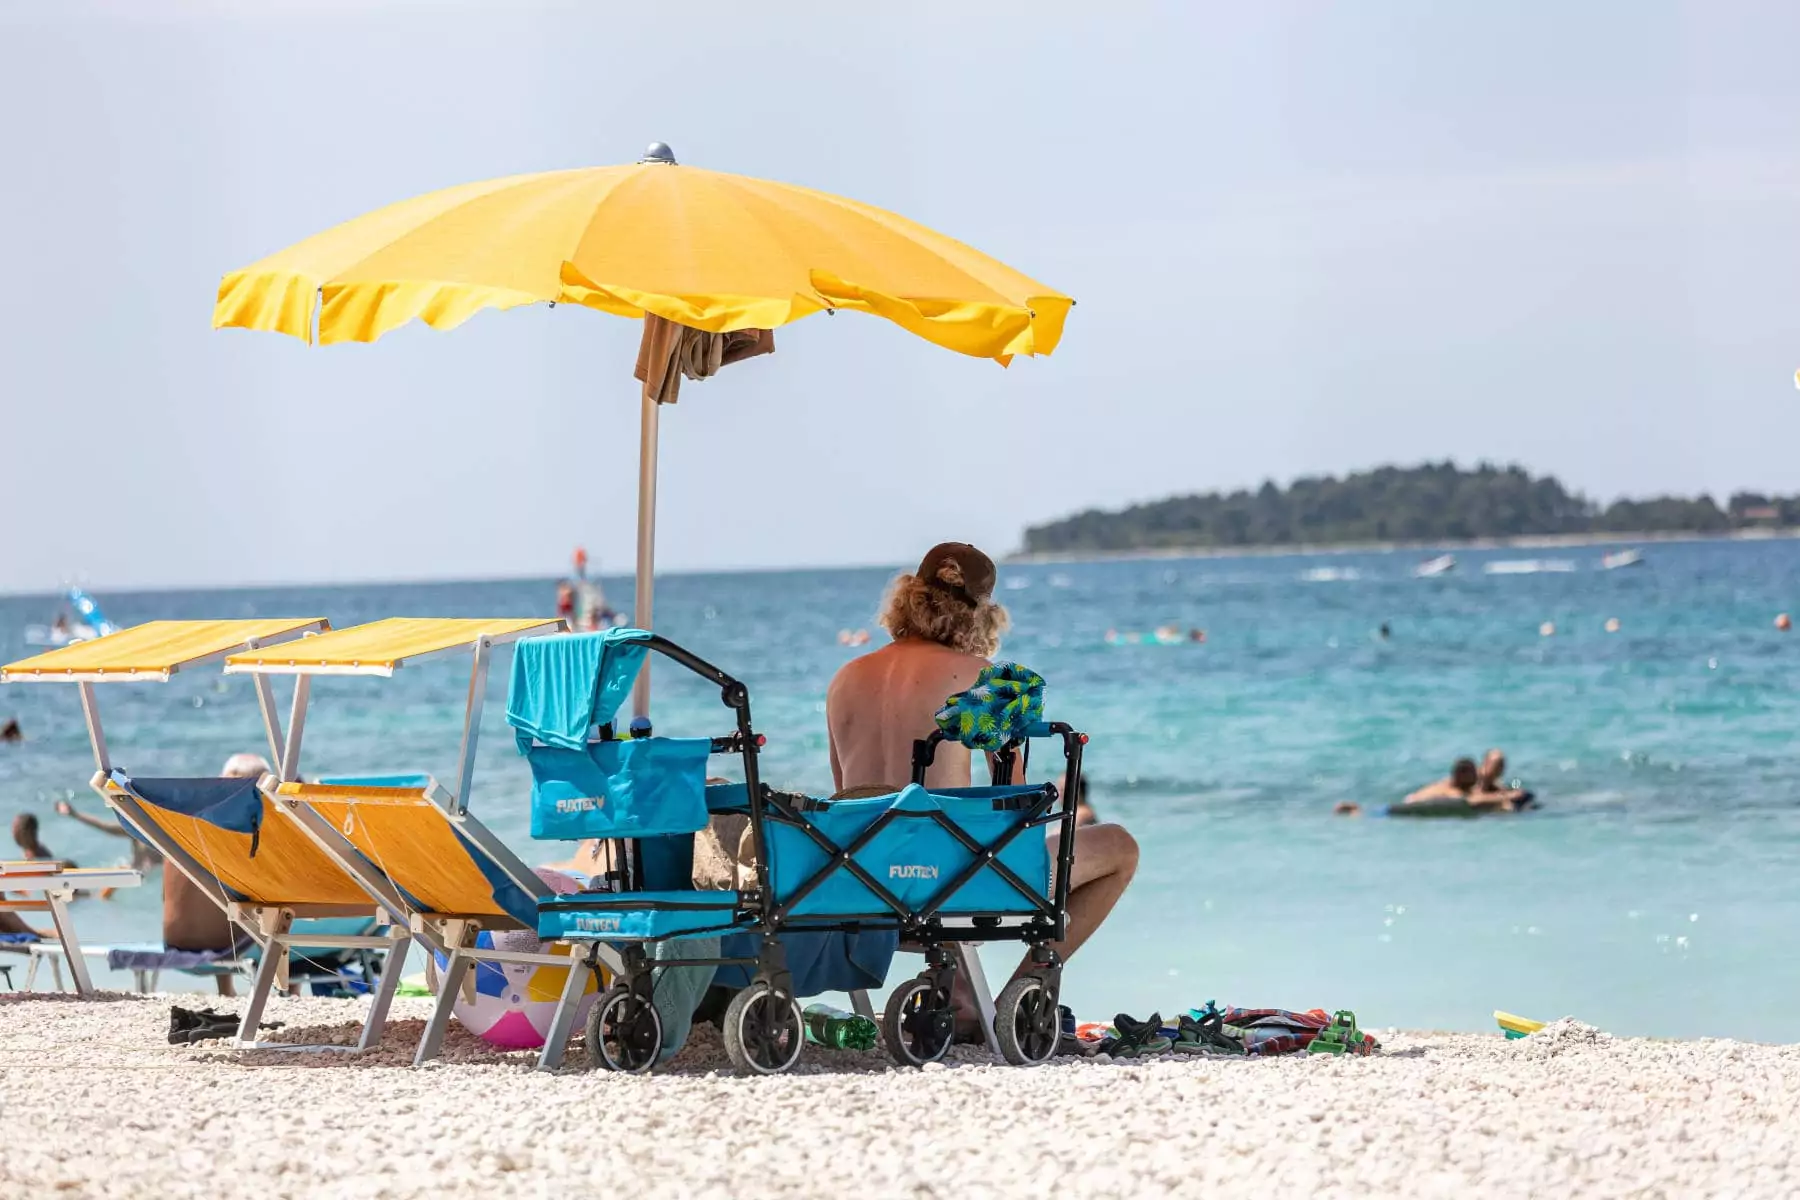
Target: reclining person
945, 627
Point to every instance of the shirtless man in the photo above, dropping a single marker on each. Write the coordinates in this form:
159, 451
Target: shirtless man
191, 919
1464, 783
946, 626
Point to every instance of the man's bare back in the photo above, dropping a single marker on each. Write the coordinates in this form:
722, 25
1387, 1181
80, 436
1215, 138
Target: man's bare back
880, 704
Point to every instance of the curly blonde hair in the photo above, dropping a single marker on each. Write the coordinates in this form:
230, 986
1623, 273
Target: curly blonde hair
915, 608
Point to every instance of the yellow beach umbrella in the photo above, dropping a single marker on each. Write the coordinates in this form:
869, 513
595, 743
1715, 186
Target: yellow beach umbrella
704, 249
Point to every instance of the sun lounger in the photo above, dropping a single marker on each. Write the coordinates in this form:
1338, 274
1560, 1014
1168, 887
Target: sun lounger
145, 960
263, 873
268, 877
54, 888
453, 876
148, 960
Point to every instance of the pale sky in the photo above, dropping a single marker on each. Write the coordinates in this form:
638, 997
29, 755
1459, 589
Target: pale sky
1303, 238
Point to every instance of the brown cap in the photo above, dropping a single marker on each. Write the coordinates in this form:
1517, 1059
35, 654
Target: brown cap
977, 571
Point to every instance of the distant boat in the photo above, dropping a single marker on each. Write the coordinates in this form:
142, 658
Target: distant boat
89, 622
1621, 558
1443, 564
1331, 575
1529, 566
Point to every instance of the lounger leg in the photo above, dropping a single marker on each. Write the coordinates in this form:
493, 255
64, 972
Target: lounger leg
449, 988
861, 1005
391, 970
274, 957
140, 980
968, 960
65, 932
556, 1042
31, 969
56, 972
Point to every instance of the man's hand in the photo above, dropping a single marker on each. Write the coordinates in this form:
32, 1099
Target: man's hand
64, 809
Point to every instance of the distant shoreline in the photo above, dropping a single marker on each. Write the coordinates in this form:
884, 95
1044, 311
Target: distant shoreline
1544, 541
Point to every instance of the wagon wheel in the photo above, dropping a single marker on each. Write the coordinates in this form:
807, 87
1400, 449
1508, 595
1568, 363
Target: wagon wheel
918, 1023
624, 1032
1026, 1022
764, 1030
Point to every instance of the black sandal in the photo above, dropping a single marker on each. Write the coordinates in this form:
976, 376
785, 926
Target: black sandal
187, 1026
1206, 1034
1136, 1039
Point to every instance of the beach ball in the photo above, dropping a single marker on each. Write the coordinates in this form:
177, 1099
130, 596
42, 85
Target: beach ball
515, 1002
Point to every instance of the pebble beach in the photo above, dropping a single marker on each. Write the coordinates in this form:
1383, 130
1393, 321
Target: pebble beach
96, 1103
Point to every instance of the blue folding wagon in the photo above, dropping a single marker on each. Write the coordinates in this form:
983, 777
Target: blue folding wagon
926, 868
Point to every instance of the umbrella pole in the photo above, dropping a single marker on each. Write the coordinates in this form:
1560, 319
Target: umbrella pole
646, 546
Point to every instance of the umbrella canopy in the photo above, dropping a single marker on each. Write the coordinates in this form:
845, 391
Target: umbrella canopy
707, 250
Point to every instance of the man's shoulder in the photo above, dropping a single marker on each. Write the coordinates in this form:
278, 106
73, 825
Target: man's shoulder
911, 659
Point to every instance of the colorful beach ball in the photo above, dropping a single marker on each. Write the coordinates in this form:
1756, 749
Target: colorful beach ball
515, 1002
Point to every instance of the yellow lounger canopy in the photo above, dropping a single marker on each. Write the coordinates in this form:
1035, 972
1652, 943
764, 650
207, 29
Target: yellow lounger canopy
154, 650
380, 646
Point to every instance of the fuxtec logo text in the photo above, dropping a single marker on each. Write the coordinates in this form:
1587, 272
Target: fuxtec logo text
912, 871
596, 924
580, 804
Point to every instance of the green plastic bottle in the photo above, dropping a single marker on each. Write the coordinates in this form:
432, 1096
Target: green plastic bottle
833, 1027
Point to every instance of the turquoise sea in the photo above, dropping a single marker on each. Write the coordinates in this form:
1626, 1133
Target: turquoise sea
1655, 893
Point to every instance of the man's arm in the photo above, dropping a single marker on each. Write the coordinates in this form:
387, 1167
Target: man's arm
1503, 801
100, 823
837, 768
1441, 790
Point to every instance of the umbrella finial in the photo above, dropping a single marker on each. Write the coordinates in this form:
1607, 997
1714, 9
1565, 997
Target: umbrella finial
659, 152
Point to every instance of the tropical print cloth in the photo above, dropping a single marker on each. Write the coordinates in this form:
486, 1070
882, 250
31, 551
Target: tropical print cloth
1007, 700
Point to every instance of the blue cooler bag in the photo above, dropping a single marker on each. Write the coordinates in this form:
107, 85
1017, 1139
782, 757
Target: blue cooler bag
644, 787
914, 857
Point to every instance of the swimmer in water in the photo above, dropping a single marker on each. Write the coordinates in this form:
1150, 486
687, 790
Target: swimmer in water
1490, 786
1460, 784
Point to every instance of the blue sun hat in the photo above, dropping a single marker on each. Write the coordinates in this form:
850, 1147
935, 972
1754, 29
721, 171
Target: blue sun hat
1005, 702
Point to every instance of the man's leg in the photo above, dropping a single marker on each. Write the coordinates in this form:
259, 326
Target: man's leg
1106, 858
226, 984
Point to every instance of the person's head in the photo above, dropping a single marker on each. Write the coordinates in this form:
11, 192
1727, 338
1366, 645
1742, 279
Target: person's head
1463, 774
948, 600
10, 732
1493, 767
245, 766
25, 831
